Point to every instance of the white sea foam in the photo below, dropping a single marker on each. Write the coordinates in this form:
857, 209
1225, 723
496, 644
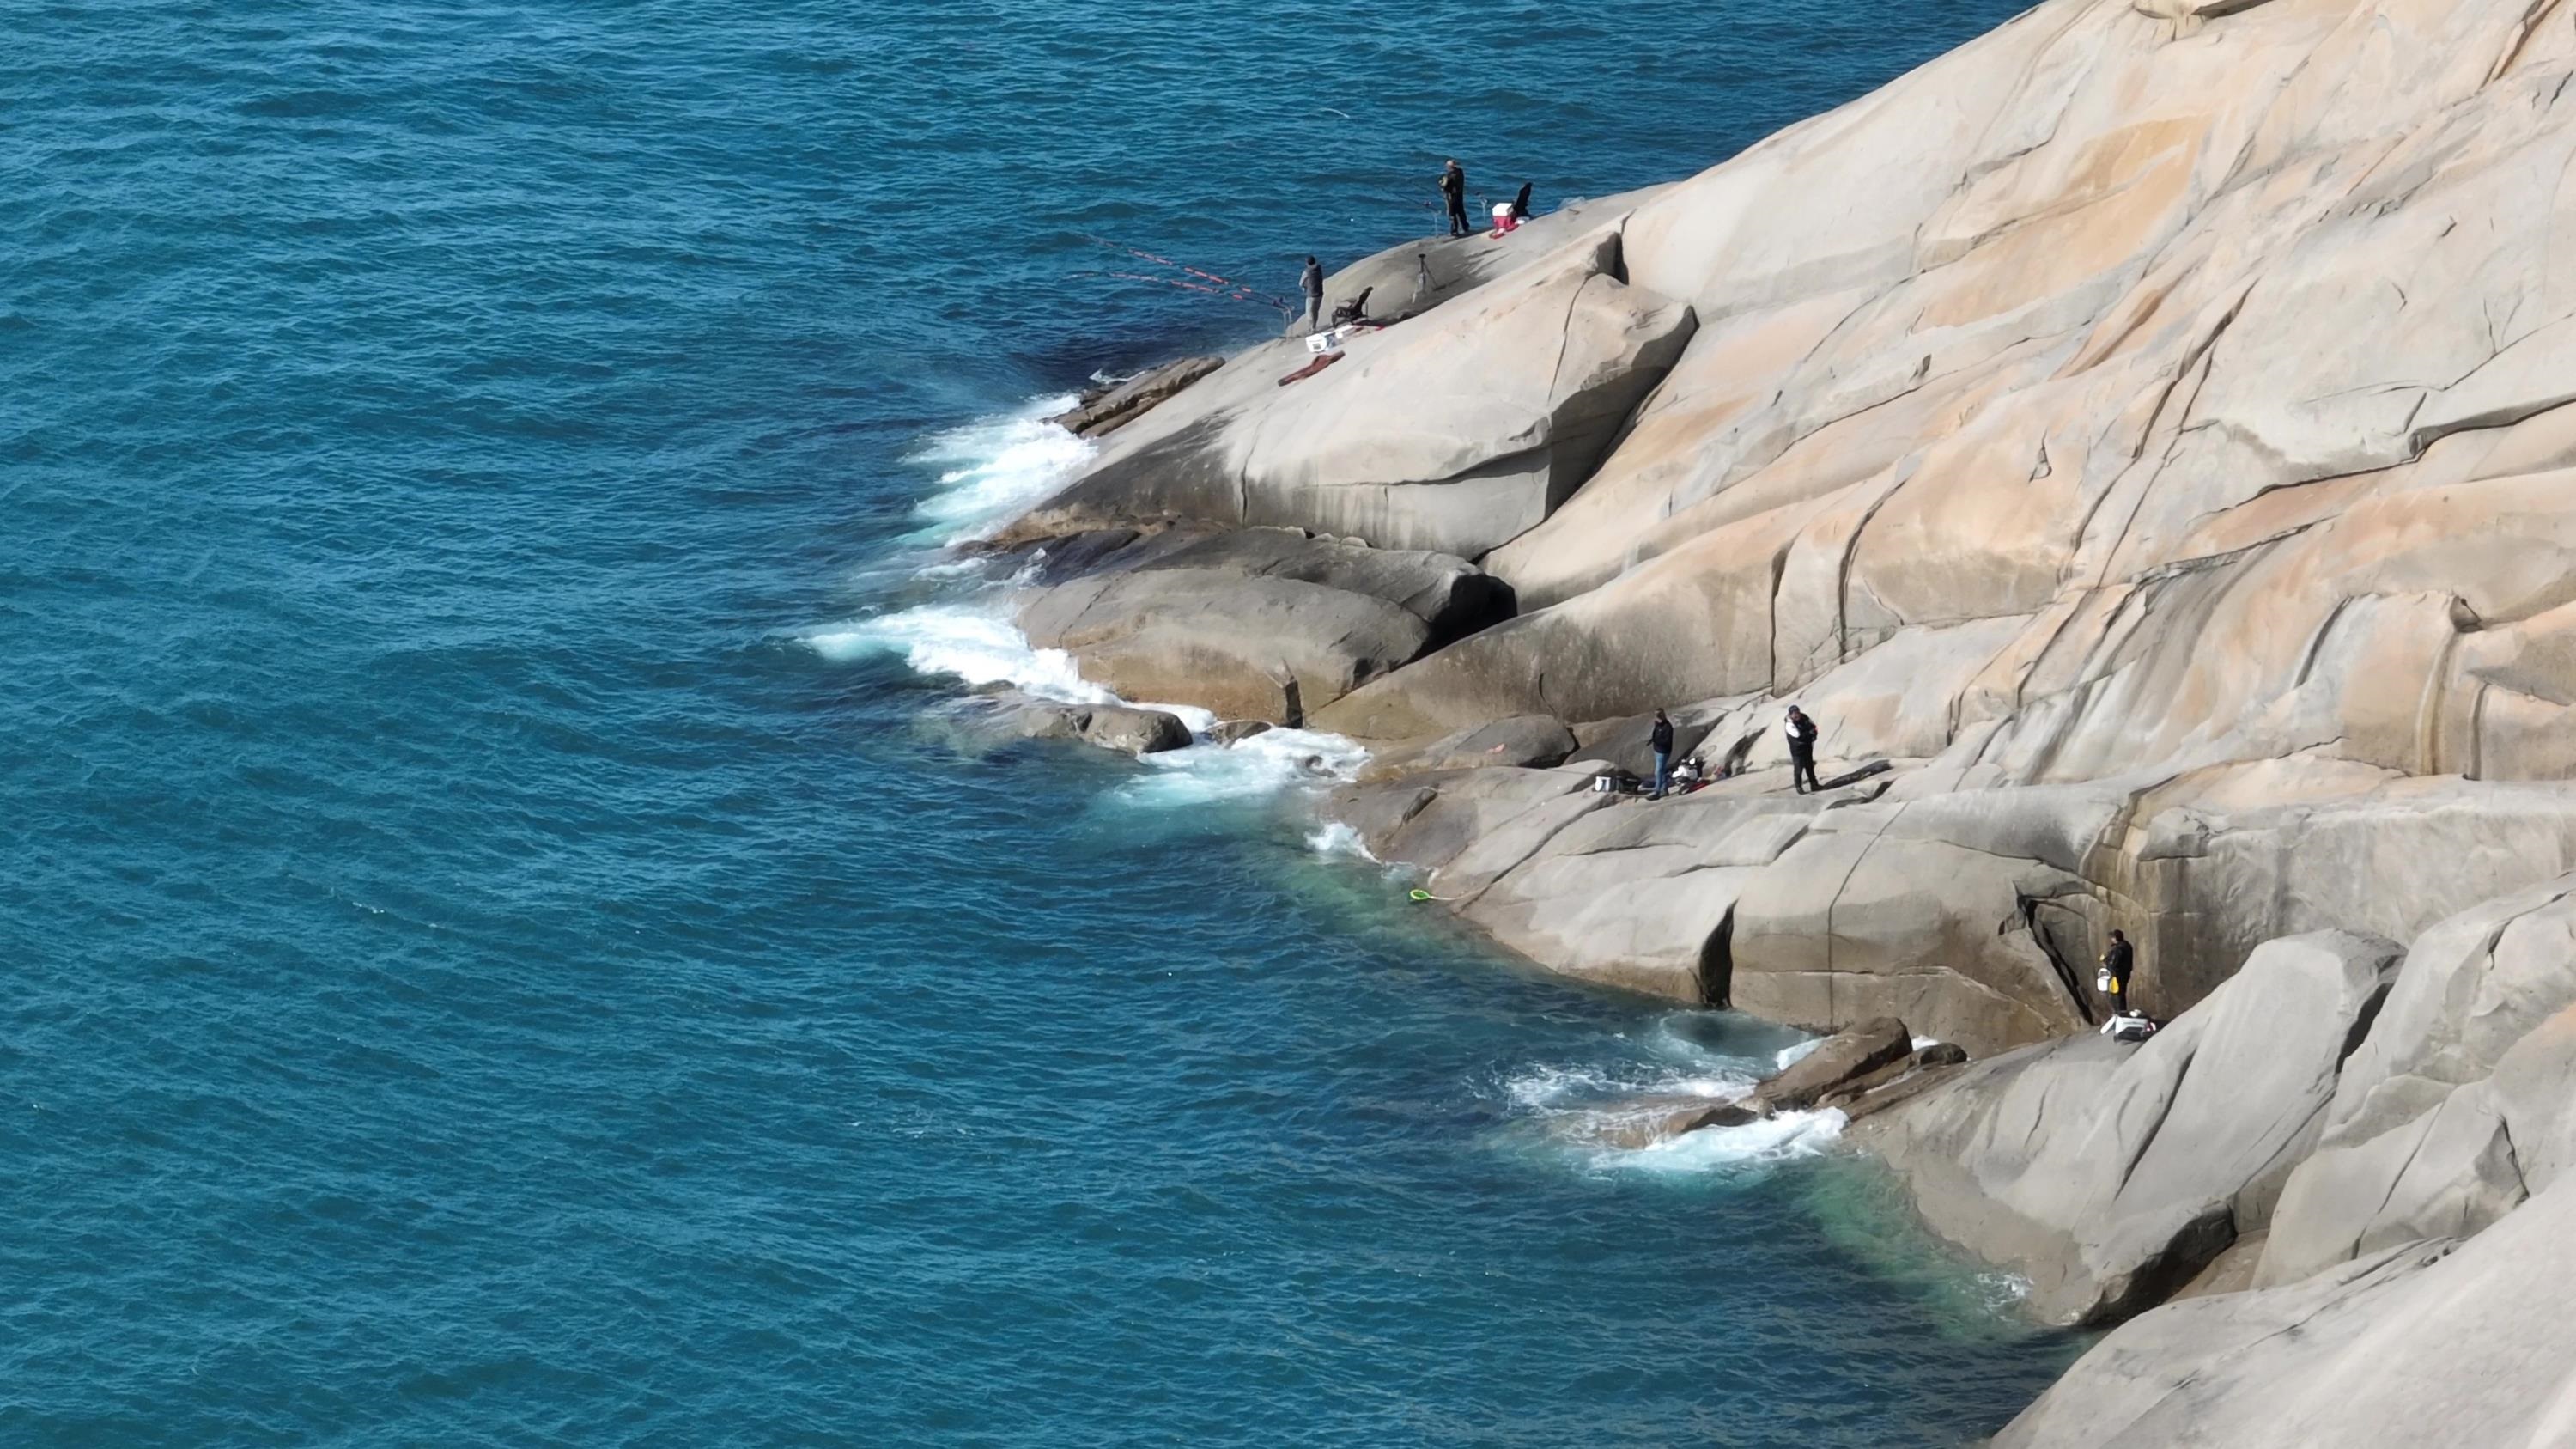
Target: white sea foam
1796, 1052
997, 468
1601, 1091
1265, 764
1772, 1139
1588, 1111
972, 642
994, 469
975, 642
1584, 1110
1336, 837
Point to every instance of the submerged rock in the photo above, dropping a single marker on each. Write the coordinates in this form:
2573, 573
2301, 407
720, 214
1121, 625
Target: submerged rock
1134, 731
1010, 714
1646, 1121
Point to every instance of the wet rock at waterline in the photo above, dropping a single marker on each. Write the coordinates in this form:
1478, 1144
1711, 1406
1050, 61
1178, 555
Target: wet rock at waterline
1263, 624
1254, 648
1115, 406
1839, 1060
1010, 714
1647, 1121
1857, 1072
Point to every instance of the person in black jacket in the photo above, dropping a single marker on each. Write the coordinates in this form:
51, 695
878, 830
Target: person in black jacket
1312, 281
1453, 190
1802, 750
1661, 737
2117, 963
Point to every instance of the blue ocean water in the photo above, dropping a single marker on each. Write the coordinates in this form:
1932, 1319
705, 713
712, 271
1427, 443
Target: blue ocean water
501, 946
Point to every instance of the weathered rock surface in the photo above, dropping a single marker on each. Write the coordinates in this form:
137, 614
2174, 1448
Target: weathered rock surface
1125, 728
1452, 597
1629, 743
1257, 648
2145, 441
1387, 446
2109, 1174
2018, 439
2458, 1107
1263, 623
2007, 419
1840, 1060
1117, 406
1406, 281
2412, 1346
1533, 741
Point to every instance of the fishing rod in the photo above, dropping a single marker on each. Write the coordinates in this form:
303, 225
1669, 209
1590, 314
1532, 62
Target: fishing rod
1225, 286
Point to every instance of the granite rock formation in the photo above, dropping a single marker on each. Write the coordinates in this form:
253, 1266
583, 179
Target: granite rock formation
2109, 1174
2145, 440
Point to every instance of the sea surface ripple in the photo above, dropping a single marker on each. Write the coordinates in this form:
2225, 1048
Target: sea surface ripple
496, 951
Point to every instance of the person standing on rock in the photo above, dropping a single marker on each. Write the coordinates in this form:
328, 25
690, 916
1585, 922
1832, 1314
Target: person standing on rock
1453, 190
1661, 737
1312, 280
2117, 963
1802, 750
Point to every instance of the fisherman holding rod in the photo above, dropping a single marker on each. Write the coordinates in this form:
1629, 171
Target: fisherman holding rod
1453, 192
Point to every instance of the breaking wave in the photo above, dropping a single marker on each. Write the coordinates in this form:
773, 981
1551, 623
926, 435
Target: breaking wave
974, 643
1612, 1115
1265, 764
1335, 837
995, 469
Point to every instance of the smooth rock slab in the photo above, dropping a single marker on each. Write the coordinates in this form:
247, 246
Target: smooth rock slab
1132, 399
1533, 741
1839, 1060
2412, 1347
1248, 648
2110, 1174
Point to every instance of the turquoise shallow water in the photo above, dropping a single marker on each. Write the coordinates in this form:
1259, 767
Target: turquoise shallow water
495, 951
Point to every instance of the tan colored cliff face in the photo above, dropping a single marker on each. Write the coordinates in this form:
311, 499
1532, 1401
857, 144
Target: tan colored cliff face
2092, 324
2145, 441
2152, 427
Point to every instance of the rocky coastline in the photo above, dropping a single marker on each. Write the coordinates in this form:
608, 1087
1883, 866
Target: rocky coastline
2145, 440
